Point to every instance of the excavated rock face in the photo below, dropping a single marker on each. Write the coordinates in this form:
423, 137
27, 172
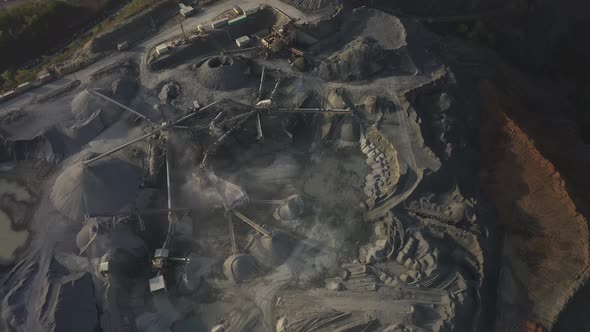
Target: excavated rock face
309, 5
359, 60
545, 236
385, 170
436, 110
349, 133
436, 8
400, 328
408, 261
336, 98
370, 104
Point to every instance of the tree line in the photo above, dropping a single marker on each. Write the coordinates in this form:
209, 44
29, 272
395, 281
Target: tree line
31, 30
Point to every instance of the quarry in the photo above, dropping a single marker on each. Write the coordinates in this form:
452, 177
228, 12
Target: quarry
267, 168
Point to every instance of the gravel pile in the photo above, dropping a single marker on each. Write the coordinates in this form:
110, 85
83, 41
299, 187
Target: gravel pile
106, 185
13, 116
83, 131
271, 251
359, 60
85, 105
169, 92
123, 89
82, 105
312, 4
223, 73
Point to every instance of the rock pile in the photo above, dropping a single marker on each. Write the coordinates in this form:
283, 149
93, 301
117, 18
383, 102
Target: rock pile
223, 73
106, 185
359, 60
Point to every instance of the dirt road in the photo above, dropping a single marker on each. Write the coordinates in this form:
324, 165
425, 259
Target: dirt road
138, 52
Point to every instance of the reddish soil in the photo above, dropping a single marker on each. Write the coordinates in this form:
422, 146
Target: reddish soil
548, 117
545, 239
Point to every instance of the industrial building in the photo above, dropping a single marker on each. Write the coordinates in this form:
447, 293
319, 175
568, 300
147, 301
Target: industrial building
243, 41
219, 24
162, 49
185, 10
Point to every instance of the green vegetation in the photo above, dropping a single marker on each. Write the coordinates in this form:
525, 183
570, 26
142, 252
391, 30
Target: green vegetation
12, 78
30, 30
133, 8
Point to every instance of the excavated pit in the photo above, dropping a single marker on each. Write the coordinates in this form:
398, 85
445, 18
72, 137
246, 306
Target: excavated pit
349, 202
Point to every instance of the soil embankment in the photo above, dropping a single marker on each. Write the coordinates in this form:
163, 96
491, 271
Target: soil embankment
545, 114
545, 247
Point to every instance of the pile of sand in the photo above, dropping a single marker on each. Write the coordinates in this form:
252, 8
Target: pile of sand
106, 185
359, 60
223, 73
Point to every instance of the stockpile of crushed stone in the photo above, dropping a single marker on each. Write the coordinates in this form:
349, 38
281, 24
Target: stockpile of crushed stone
82, 105
83, 131
169, 92
223, 73
359, 60
106, 185
271, 251
123, 89
312, 4
85, 105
